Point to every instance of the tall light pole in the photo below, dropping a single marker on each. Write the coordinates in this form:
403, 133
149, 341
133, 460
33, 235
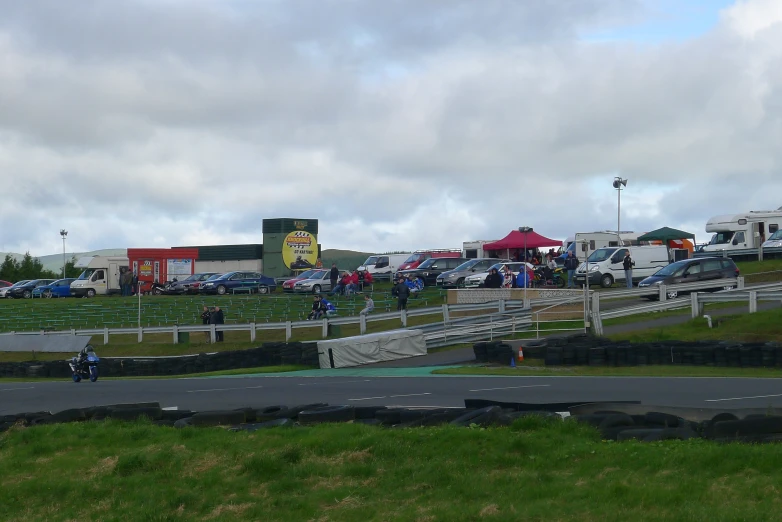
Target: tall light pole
525, 231
63, 233
618, 184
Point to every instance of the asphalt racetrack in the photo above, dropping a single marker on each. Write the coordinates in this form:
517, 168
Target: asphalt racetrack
435, 391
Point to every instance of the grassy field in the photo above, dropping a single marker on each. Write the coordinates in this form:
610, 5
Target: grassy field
536, 470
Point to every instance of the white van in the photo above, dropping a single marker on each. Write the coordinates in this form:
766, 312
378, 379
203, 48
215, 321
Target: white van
383, 264
606, 267
101, 276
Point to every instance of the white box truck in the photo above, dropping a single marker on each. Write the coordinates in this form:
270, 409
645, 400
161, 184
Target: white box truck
100, 277
741, 231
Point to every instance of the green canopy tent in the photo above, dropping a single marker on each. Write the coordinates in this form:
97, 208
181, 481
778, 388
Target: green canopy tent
665, 234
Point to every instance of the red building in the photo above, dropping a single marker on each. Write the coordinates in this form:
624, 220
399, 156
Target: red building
161, 264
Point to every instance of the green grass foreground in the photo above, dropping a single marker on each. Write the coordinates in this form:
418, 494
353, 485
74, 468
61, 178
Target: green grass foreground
535, 470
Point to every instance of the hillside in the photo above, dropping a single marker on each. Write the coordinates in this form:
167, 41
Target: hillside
53, 262
345, 259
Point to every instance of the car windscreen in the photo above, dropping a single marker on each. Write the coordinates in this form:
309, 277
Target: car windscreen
20, 283
214, 276
413, 258
671, 269
371, 260
429, 262
776, 235
601, 254
307, 274
467, 265
87, 273
721, 238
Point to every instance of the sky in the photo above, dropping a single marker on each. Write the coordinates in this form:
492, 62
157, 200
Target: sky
398, 124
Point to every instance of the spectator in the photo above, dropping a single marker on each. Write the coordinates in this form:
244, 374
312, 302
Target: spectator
134, 283
509, 278
369, 306
571, 263
327, 307
402, 293
341, 286
205, 316
315, 313
493, 280
352, 286
319, 263
368, 279
334, 275
628, 264
217, 317
548, 269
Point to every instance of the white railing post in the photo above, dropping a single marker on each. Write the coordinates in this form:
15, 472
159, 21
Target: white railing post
73, 331
697, 305
212, 334
662, 293
325, 330
175, 330
252, 332
740, 282
403, 317
288, 331
362, 324
501, 306
753, 302
446, 314
141, 334
105, 336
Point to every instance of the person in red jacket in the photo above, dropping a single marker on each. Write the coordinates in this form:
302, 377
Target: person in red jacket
368, 280
352, 283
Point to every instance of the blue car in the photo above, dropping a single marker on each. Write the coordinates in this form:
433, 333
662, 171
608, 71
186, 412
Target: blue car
59, 288
231, 282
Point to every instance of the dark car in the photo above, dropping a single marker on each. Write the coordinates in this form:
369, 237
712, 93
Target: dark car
231, 281
59, 288
692, 271
26, 290
188, 285
433, 267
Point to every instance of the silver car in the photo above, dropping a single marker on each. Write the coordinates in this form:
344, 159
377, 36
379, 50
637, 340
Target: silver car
476, 280
455, 278
317, 283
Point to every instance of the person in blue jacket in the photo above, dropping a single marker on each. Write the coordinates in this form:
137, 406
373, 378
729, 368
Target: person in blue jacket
328, 306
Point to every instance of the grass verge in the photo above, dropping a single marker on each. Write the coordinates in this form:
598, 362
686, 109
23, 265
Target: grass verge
534, 470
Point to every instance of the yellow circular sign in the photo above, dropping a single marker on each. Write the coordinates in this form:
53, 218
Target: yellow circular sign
299, 250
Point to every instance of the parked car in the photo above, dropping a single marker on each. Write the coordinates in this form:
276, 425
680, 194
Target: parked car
288, 284
476, 280
188, 285
230, 281
317, 283
433, 267
59, 288
455, 278
692, 271
5, 284
25, 290
4, 290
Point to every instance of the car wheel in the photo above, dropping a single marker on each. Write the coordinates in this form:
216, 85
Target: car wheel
460, 282
316, 289
606, 281
221, 290
157, 291
91, 292
27, 294
48, 294
672, 294
263, 289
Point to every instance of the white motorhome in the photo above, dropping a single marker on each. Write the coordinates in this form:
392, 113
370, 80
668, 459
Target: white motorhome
383, 264
740, 231
583, 244
474, 249
606, 264
100, 277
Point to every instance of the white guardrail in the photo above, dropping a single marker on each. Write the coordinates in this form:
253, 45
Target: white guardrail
695, 300
501, 317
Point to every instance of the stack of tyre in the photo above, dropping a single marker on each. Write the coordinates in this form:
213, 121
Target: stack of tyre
493, 352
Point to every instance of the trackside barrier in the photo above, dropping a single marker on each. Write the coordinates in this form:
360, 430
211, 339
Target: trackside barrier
491, 309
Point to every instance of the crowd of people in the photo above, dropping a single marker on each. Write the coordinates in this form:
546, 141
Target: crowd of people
350, 282
213, 316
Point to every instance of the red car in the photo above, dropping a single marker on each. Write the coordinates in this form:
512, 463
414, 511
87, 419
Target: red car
288, 285
4, 284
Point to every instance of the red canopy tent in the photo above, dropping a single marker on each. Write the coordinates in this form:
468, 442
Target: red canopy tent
516, 241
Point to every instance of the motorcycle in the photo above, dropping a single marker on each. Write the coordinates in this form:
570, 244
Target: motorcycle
156, 288
85, 367
557, 278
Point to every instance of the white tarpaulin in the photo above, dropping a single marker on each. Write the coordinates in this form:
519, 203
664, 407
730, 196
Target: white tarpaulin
371, 348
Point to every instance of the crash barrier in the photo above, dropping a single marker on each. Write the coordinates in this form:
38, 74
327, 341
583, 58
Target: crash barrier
328, 326
268, 354
620, 421
595, 351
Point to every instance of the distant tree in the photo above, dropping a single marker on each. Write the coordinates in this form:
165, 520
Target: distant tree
30, 267
9, 270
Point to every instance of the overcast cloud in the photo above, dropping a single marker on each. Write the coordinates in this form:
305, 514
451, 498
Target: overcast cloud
397, 124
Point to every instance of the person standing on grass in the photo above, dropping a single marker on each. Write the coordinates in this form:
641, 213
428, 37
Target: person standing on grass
205, 319
369, 306
402, 293
627, 264
571, 263
334, 275
217, 317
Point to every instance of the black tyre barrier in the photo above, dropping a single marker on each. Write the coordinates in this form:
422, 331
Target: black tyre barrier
269, 413
218, 418
268, 354
277, 423
482, 417
327, 414
130, 414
